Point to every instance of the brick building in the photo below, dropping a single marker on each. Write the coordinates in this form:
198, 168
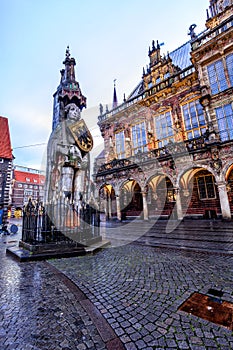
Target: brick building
6, 158
169, 145
27, 183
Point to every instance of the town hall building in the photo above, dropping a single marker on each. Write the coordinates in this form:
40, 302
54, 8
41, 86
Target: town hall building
168, 147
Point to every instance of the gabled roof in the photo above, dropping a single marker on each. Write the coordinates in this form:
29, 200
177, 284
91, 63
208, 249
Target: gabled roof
5, 141
180, 57
29, 178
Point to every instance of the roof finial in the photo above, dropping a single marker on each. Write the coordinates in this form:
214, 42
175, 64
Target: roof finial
67, 52
114, 103
191, 32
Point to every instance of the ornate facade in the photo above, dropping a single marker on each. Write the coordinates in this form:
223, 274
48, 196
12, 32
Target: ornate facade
169, 145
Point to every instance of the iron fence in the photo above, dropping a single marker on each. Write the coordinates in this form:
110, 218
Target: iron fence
59, 221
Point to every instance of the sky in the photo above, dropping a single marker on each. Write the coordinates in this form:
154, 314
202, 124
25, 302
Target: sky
108, 39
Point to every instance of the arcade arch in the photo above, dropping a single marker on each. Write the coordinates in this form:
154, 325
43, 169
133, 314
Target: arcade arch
199, 194
229, 186
161, 196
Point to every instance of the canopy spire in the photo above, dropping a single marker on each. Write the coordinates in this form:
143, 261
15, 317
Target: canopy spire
114, 103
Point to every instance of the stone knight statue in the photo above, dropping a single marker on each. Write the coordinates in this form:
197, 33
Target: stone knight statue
67, 172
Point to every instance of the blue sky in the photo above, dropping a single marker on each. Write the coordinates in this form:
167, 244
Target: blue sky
108, 39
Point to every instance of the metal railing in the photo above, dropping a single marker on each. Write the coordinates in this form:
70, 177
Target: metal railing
168, 151
59, 222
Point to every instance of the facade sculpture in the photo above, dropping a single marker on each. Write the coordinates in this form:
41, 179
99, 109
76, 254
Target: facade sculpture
173, 135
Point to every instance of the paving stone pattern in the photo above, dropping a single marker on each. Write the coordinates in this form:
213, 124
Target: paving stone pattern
138, 289
129, 294
39, 312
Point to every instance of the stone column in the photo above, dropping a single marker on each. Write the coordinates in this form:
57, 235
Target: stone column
179, 210
106, 208
109, 206
145, 206
118, 207
224, 201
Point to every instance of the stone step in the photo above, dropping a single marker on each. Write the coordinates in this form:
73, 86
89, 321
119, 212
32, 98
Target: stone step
203, 236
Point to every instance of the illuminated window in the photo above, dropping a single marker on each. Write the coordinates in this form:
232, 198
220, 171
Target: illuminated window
229, 62
120, 144
225, 122
194, 119
139, 138
163, 129
217, 77
206, 187
28, 193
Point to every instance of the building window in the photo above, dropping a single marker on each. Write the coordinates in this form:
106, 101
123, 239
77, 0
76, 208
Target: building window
206, 187
163, 129
194, 119
1, 160
217, 77
229, 62
120, 144
225, 122
28, 193
139, 138
20, 185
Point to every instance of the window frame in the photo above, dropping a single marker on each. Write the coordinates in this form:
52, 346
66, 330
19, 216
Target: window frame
206, 189
121, 153
198, 129
217, 77
139, 137
226, 120
163, 141
229, 65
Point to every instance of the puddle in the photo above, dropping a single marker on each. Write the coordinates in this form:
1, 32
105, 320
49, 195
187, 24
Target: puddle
212, 309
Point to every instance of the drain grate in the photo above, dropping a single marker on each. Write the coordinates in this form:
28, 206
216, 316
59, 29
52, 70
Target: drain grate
217, 311
215, 292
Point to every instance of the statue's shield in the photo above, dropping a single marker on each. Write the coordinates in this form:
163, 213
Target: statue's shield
82, 136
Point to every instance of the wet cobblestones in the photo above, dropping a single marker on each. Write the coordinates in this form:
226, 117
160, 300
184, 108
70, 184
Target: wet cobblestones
38, 312
139, 289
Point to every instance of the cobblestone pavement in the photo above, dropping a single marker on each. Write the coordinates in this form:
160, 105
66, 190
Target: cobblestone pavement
39, 309
138, 289
133, 288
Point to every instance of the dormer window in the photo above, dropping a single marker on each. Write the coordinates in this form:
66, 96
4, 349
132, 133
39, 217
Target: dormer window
158, 80
166, 75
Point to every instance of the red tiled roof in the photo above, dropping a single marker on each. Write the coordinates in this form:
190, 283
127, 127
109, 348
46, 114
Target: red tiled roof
5, 141
29, 178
